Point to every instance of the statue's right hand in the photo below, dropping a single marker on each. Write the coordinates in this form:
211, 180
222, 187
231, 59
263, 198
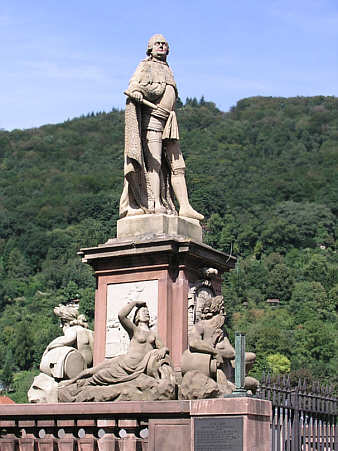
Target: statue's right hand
140, 303
136, 95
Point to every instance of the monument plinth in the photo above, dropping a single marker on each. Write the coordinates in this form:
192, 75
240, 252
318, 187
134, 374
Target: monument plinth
164, 270
158, 224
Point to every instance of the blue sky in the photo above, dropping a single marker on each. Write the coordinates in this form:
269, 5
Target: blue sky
60, 59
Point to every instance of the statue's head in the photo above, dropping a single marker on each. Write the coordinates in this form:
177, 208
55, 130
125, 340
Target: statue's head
213, 306
158, 46
217, 305
206, 309
70, 316
142, 314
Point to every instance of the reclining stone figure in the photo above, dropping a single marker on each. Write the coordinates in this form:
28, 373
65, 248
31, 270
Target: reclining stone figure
144, 373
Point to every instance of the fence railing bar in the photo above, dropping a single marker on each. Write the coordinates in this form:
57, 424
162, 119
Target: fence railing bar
309, 433
279, 428
273, 429
284, 419
327, 432
288, 430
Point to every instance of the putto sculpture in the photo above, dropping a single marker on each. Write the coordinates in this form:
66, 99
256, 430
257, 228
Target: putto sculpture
145, 372
72, 352
154, 167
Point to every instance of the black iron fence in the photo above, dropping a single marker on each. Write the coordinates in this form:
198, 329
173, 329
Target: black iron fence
303, 417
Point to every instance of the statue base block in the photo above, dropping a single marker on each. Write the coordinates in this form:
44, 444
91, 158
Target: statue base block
132, 226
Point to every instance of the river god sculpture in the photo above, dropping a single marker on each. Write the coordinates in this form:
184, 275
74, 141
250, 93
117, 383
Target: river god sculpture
145, 372
154, 165
208, 363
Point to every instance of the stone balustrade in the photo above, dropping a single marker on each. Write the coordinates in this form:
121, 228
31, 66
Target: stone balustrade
127, 426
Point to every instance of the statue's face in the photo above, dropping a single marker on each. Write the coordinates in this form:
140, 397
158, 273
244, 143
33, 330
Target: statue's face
207, 313
160, 49
64, 323
143, 314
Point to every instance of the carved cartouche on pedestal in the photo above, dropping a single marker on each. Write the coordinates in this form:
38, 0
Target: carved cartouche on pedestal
143, 373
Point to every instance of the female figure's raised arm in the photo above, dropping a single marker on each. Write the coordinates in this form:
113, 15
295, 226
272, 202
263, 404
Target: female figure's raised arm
123, 316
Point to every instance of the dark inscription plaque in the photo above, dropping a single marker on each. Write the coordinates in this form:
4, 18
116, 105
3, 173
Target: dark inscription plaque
218, 434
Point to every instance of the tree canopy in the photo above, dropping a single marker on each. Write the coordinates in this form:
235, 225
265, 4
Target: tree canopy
265, 177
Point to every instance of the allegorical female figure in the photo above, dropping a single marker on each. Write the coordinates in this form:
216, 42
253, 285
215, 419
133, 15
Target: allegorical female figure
154, 167
145, 355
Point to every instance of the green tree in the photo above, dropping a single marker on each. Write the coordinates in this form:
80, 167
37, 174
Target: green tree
6, 373
278, 363
308, 300
23, 350
280, 283
17, 265
21, 384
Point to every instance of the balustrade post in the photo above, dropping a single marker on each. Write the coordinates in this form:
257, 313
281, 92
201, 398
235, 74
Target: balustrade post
86, 443
86, 440
66, 442
9, 443
107, 439
46, 443
27, 443
107, 442
129, 441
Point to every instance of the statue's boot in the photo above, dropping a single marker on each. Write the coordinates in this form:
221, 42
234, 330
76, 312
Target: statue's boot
160, 209
180, 189
134, 211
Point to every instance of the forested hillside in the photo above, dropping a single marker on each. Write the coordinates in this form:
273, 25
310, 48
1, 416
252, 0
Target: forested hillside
265, 177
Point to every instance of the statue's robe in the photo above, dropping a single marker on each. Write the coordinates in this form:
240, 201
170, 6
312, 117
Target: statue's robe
156, 82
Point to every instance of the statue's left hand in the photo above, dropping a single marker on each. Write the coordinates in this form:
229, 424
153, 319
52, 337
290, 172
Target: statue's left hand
161, 353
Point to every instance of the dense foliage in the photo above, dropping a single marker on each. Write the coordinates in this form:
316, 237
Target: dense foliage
265, 177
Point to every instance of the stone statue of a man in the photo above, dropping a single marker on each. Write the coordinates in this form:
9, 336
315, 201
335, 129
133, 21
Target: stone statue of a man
154, 165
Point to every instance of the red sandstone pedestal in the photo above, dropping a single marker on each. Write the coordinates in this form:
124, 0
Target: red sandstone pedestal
159, 269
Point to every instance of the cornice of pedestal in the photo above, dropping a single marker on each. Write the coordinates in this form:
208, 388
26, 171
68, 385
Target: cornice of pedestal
163, 246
